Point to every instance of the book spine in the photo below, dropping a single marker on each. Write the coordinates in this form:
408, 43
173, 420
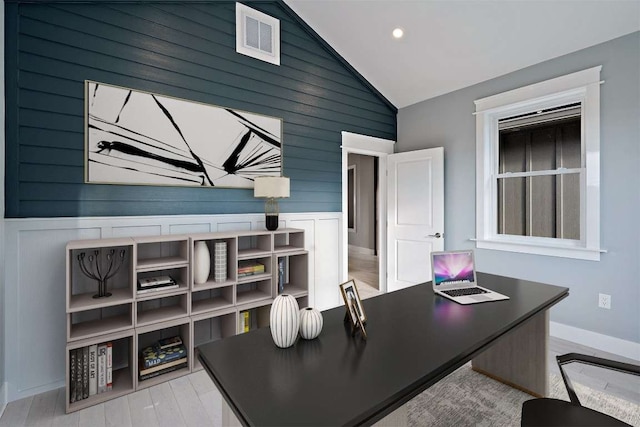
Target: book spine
162, 366
280, 275
85, 372
157, 289
163, 371
155, 281
170, 342
109, 366
245, 321
72, 376
78, 374
93, 369
102, 368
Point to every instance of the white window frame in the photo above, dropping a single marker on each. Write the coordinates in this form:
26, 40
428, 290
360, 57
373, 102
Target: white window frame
582, 86
241, 47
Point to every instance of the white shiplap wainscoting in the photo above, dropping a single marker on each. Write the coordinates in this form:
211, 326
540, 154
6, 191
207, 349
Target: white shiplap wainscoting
34, 280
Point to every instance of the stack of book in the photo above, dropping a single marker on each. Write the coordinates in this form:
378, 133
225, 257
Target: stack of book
166, 355
155, 284
249, 268
90, 371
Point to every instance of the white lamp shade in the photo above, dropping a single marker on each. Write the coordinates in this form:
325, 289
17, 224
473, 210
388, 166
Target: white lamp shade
271, 186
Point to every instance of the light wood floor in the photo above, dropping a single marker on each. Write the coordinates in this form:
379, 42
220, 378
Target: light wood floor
363, 269
193, 400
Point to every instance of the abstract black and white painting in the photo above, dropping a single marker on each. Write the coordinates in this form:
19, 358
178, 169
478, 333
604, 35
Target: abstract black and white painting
135, 137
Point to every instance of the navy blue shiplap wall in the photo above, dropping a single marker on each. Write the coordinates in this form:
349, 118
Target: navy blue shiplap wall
184, 50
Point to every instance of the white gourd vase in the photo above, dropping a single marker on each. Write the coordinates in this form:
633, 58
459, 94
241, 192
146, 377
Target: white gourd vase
310, 323
284, 320
201, 262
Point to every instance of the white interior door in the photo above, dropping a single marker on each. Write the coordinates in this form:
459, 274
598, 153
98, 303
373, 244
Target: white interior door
415, 215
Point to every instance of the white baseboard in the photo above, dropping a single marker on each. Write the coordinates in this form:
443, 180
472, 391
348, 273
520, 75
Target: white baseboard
359, 250
628, 349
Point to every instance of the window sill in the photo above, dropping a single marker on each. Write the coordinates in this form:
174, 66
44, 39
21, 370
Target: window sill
563, 251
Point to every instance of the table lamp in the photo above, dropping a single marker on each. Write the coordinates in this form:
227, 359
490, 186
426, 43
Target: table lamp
271, 187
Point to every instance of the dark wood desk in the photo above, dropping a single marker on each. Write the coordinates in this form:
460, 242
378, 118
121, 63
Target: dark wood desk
415, 339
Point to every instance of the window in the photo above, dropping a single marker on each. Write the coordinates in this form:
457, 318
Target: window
538, 168
257, 34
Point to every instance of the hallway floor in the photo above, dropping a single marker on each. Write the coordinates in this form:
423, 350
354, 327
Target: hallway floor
363, 269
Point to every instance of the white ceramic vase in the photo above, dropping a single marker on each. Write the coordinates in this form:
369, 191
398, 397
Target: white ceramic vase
310, 323
284, 320
201, 262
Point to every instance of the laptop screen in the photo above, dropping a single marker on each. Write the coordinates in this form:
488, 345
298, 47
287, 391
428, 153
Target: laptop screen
451, 268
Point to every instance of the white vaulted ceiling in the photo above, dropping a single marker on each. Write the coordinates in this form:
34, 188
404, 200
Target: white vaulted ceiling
451, 44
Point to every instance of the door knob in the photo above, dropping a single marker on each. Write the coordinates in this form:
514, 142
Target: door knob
437, 235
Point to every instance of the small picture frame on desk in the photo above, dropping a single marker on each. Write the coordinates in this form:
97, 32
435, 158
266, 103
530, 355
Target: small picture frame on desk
349, 292
356, 322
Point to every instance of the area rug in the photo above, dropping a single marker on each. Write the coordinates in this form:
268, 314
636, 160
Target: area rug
467, 398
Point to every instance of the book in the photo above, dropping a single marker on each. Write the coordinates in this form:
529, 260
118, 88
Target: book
248, 268
72, 376
157, 288
169, 342
85, 372
163, 371
93, 369
163, 366
102, 368
281, 270
109, 366
245, 321
78, 374
154, 355
155, 281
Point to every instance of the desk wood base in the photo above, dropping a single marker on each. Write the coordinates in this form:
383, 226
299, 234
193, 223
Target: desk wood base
519, 358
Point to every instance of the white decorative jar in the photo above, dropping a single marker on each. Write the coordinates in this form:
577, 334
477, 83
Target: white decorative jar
284, 320
310, 323
201, 262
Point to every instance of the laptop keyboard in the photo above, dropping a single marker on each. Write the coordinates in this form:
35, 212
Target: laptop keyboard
464, 292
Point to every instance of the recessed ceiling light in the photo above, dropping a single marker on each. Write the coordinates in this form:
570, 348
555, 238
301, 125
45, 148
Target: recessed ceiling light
398, 33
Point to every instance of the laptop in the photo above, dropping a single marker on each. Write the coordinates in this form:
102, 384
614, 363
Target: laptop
454, 277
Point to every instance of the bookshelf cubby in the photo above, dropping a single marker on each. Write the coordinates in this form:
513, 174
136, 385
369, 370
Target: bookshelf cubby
198, 313
148, 335
210, 327
123, 369
212, 299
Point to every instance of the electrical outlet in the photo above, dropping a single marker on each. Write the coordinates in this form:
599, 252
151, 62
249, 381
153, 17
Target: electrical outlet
604, 301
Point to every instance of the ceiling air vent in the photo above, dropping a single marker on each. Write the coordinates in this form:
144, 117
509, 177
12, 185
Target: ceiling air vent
257, 34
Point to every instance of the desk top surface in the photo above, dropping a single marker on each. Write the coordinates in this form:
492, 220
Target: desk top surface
415, 338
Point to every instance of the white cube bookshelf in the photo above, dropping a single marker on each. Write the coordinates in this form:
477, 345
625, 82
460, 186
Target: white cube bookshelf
198, 313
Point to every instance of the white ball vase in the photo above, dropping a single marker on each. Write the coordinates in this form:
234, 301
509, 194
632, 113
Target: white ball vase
284, 320
310, 323
201, 262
